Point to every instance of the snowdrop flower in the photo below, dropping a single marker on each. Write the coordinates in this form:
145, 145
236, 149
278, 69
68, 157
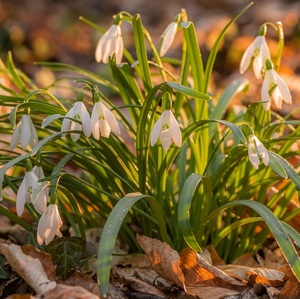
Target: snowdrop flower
80, 113
168, 37
109, 44
167, 129
258, 51
24, 194
25, 133
40, 201
275, 87
49, 225
103, 121
255, 150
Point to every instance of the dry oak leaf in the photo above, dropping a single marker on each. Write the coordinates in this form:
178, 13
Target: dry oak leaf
189, 270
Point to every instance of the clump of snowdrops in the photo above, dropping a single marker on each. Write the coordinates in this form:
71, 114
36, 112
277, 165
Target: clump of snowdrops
151, 150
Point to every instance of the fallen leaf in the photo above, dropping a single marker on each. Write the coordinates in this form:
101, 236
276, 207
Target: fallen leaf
29, 268
189, 270
77, 278
197, 271
44, 258
291, 289
261, 275
144, 287
83, 280
70, 292
164, 260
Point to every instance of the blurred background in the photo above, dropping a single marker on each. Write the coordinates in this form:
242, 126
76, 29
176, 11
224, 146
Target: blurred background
50, 30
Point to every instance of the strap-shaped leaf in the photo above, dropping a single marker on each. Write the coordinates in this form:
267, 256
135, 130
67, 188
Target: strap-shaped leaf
189, 91
284, 169
141, 52
189, 189
275, 226
111, 230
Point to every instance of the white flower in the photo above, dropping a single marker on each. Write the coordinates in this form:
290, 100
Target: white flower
25, 133
259, 51
24, 194
167, 129
80, 113
255, 150
49, 225
103, 121
168, 37
110, 43
275, 85
40, 200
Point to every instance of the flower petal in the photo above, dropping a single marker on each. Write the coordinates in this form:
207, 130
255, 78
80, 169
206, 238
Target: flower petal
111, 120
16, 136
247, 56
156, 130
283, 89
168, 37
175, 130
166, 139
104, 127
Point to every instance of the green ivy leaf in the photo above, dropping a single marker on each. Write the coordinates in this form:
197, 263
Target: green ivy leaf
66, 254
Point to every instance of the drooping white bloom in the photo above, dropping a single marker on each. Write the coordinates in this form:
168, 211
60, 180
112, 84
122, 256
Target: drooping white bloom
167, 129
259, 51
49, 225
109, 44
168, 37
27, 187
103, 121
80, 113
25, 133
274, 87
40, 201
255, 150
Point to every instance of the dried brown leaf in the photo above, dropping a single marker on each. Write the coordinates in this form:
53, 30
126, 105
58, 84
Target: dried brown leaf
44, 258
291, 289
29, 268
81, 279
197, 271
164, 260
211, 292
67, 292
261, 275
144, 287
76, 279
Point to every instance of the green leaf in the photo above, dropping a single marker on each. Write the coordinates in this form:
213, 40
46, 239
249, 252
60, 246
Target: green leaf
275, 227
284, 169
189, 91
66, 254
215, 48
194, 55
219, 110
141, 52
188, 192
48, 120
111, 230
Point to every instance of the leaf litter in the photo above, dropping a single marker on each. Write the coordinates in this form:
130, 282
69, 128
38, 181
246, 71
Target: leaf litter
161, 273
